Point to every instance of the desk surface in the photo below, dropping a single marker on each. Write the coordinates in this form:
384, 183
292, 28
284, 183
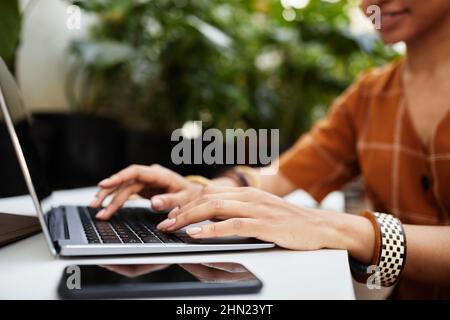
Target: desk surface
28, 271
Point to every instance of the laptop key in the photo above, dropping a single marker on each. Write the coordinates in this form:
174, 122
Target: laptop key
165, 237
130, 240
187, 239
104, 236
151, 240
112, 240
129, 226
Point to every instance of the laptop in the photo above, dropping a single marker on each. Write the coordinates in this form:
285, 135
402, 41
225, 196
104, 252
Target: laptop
73, 230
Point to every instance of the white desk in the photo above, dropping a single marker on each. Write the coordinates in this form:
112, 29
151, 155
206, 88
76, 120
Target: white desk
28, 271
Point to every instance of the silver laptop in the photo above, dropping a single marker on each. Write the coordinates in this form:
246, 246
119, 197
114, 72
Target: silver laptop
73, 230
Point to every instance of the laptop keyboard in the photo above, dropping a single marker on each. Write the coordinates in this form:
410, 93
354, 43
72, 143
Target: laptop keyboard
128, 225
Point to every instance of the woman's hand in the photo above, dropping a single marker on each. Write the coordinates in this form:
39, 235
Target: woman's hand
165, 188
251, 212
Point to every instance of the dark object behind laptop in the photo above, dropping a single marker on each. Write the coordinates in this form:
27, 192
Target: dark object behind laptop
15, 227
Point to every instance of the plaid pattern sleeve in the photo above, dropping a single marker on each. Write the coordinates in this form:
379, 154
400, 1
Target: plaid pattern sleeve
325, 158
369, 131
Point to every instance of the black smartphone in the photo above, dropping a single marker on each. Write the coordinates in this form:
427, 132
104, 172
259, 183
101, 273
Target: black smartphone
156, 280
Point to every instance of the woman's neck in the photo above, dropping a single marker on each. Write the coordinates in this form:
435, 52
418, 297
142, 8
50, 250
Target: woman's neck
430, 51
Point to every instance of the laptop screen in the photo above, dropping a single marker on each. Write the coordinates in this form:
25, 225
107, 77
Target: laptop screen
12, 182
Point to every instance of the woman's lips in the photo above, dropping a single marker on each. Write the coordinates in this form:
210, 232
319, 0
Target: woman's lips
390, 20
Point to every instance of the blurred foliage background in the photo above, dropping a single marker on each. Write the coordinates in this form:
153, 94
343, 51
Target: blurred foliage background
156, 64
10, 27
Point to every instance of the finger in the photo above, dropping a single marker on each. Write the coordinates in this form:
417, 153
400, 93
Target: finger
148, 174
101, 196
243, 227
218, 208
168, 201
130, 173
210, 189
226, 195
118, 200
209, 210
153, 174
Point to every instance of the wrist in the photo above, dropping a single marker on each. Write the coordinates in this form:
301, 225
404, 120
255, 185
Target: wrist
224, 182
242, 176
220, 181
352, 233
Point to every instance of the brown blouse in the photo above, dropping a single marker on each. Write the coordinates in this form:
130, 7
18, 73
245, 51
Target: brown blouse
369, 131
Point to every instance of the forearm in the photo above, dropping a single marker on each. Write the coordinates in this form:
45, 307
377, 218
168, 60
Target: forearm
427, 255
352, 233
276, 184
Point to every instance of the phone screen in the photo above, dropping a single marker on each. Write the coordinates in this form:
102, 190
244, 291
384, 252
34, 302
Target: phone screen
98, 275
152, 280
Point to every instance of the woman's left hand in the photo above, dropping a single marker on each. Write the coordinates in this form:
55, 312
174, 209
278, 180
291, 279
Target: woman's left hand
251, 212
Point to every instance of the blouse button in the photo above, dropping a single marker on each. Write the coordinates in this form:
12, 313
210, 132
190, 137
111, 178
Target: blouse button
425, 182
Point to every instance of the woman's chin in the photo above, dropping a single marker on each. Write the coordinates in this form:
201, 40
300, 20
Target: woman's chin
391, 38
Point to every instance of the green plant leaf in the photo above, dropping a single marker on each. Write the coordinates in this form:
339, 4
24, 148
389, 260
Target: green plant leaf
10, 25
213, 34
156, 64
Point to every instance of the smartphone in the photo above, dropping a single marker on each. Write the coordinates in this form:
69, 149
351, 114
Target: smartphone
156, 280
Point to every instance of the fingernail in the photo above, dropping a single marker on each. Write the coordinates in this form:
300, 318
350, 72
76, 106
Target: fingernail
166, 224
104, 181
157, 203
193, 231
100, 213
173, 214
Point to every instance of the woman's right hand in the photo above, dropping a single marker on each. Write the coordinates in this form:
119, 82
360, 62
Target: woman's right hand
165, 188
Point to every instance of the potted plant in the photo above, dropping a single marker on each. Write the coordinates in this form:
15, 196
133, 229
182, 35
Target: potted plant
145, 63
154, 65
